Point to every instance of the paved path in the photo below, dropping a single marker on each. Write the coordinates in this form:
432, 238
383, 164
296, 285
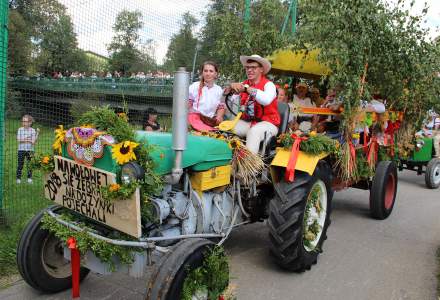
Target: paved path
363, 258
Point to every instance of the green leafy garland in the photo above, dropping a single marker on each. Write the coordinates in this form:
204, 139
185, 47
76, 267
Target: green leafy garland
104, 251
212, 276
313, 145
311, 231
117, 191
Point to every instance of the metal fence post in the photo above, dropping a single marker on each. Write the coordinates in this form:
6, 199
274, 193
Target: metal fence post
4, 9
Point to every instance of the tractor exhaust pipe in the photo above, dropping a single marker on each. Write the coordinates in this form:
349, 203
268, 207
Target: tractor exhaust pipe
180, 122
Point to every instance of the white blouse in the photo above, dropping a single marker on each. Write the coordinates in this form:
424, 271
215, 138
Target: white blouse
207, 101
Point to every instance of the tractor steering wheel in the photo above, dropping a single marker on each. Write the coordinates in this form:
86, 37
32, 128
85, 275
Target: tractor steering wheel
235, 107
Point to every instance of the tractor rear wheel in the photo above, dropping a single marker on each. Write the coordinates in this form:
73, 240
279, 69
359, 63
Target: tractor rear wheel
299, 216
40, 259
432, 174
383, 190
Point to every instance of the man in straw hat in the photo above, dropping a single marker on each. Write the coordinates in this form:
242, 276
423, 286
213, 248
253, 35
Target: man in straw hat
304, 122
258, 99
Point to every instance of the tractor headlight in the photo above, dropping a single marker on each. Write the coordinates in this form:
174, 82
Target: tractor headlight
131, 171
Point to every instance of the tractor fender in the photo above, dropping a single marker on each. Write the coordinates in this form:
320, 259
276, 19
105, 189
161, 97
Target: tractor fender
306, 162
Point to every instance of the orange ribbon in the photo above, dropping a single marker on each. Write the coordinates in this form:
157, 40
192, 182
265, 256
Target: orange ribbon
75, 264
290, 169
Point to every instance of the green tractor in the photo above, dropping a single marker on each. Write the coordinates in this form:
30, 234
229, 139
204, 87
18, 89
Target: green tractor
422, 160
202, 199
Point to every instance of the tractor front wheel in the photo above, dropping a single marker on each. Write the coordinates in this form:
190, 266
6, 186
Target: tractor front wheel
432, 174
383, 190
167, 280
299, 216
40, 259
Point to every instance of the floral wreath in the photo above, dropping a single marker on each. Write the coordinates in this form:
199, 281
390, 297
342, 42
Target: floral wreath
84, 144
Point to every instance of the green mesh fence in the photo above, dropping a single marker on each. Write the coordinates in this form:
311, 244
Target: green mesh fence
68, 55
3, 61
65, 56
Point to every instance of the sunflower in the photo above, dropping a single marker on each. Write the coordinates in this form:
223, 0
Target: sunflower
60, 134
123, 152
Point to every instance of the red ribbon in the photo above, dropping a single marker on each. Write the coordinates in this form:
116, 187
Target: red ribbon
75, 263
373, 149
290, 170
352, 154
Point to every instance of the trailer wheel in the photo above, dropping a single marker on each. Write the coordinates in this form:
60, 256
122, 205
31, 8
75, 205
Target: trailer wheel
383, 190
167, 279
41, 261
432, 174
299, 216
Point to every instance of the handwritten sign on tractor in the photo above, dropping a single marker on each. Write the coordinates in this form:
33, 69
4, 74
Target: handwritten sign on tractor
77, 187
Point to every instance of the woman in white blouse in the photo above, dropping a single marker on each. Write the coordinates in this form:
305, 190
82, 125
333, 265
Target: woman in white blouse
206, 102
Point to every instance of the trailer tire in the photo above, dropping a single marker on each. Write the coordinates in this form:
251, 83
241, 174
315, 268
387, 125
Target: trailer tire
40, 259
167, 279
383, 190
432, 174
290, 245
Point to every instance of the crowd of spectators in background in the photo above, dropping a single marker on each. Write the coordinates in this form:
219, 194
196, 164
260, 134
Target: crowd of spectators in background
110, 75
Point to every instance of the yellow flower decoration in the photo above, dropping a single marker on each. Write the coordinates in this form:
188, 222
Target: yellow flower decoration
123, 116
123, 152
312, 133
234, 143
356, 135
60, 134
45, 160
114, 187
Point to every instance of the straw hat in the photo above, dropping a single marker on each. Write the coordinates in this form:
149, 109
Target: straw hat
262, 61
302, 84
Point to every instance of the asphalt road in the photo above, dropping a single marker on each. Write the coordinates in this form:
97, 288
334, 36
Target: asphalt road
362, 259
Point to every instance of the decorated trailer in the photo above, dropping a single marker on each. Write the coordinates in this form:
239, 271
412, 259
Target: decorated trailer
126, 201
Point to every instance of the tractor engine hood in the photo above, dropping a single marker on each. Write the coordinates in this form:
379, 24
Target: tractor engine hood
202, 153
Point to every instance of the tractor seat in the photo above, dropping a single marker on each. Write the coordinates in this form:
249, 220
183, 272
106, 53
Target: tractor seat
284, 111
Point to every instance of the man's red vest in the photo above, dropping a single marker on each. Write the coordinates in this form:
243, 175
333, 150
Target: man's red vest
268, 113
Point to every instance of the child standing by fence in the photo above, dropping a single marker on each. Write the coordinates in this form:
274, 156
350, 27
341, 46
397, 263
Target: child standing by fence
26, 138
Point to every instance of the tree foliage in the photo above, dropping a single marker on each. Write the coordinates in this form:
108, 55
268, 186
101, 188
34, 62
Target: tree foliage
58, 50
42, 38
20, 46
387, 42
224, 37
182, 45
127, 53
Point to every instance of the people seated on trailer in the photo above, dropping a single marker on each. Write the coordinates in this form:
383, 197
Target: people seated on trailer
331, 124
151, 123
206, 102
378, 128
260, 118
303, 122
315, 97
282, 95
